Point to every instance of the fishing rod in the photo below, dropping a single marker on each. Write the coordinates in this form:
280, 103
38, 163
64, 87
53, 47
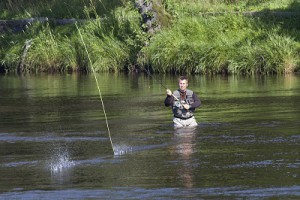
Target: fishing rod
163, 85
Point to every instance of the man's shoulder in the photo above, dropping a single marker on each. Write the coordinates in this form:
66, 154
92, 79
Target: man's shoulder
188, 91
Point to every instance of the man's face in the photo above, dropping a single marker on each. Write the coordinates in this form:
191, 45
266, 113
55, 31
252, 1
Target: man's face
183, 85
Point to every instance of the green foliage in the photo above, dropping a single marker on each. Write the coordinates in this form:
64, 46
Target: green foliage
10, 58
50, 52
226, 43
19, 9
191, 7
223, 44
207, 36
113, 43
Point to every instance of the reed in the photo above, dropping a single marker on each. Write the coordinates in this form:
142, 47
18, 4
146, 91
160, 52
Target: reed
223, 44
193, 43
113, 43
197, 8
19, 9
10, 58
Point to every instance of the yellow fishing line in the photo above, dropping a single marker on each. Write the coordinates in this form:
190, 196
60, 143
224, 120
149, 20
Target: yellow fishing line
100, 95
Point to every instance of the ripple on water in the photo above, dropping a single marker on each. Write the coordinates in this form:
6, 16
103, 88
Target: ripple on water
21, 163
161, 193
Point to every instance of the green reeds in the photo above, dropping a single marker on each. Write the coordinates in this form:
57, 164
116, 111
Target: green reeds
276, 54
52, 51
20, 9
196, 8
194, 43
223, 44
113, 43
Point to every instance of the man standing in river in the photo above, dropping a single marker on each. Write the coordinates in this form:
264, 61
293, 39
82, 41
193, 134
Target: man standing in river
183, 102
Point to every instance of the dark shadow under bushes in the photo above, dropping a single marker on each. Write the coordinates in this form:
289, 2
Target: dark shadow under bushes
19, 9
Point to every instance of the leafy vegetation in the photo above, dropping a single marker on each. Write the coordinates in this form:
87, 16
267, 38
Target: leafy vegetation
207, 36
20, 9
113, 41
215, 37
208, 45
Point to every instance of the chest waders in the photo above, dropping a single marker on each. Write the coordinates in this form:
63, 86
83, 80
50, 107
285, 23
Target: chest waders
178, 110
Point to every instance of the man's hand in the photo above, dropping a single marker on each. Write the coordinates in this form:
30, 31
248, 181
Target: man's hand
186, 106
169, 93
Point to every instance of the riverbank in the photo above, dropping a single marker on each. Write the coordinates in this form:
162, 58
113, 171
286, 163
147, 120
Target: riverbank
185, 37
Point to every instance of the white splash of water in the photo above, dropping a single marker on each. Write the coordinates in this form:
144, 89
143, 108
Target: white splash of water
122, 149
60, 161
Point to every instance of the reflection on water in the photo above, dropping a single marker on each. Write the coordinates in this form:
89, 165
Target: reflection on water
54, 142
184, 141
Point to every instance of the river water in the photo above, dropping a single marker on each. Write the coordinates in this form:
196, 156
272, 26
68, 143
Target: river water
54, 141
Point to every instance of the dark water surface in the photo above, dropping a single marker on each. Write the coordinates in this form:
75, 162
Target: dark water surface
54, 141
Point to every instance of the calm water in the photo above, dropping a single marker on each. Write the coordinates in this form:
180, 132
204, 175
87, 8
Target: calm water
54, 142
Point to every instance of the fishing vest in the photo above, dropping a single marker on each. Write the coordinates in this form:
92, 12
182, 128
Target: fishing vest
178, 110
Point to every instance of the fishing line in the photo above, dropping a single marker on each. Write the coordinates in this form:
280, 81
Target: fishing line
100, 95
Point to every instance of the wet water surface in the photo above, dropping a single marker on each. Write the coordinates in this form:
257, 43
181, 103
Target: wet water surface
54, 140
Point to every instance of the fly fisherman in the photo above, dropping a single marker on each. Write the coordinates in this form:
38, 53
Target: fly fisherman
183, 102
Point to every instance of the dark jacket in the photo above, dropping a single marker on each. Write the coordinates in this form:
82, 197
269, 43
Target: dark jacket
189, 97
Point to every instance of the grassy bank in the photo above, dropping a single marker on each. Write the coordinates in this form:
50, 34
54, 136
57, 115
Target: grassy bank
112, 38
224, 44
22, 9
203, 37
202, 40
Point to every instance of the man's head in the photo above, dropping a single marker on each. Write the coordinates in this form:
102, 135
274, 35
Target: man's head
183, 83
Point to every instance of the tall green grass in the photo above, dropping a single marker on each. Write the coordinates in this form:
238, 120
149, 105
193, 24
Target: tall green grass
223, 44
192, 43
191, 7
113, 43
19, 9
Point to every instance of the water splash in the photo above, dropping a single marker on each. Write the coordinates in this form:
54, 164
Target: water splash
122, 149
60, 161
